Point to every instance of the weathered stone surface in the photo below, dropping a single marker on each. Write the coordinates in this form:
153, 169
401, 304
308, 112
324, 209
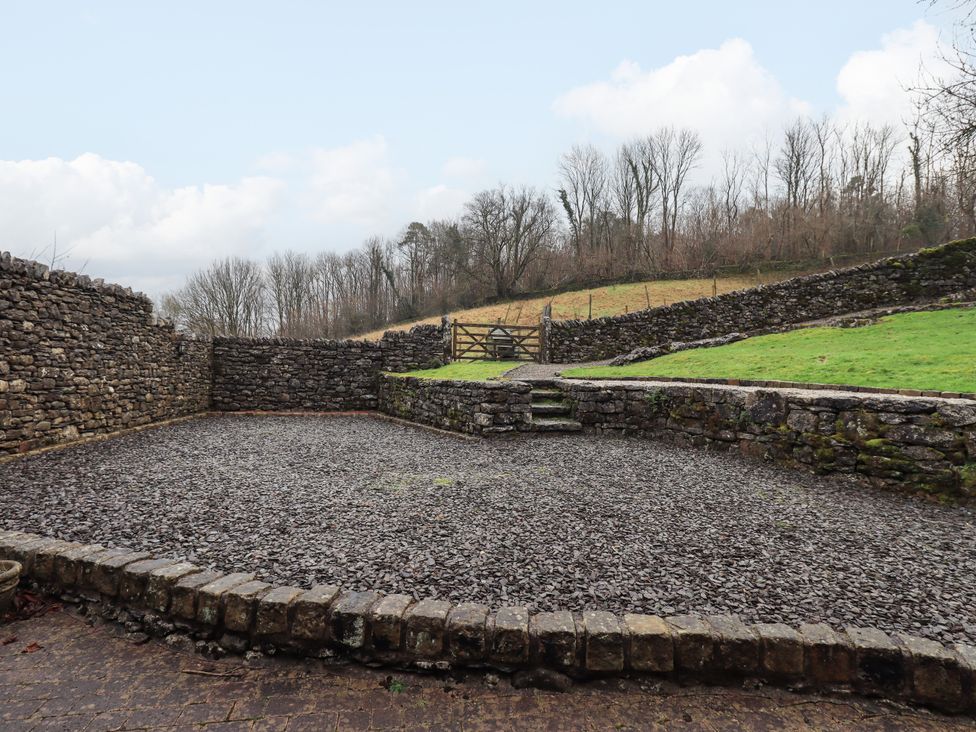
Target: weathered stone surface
510, 636
105, 575
880, 664
467, 633
183, 595
211, 598
349, 618
426, 624
135, 577
603, 641
161, 580
273, 610
386, 623
693, 643
43, 565
311, 621
553, 639
240, 604
829, 656
650, 647
736, 647
935, 675
67, 564
781, 650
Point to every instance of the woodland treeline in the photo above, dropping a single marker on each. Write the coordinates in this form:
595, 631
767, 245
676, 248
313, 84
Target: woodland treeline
817, 190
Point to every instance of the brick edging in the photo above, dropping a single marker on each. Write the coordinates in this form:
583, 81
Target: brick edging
395, 629
779, 385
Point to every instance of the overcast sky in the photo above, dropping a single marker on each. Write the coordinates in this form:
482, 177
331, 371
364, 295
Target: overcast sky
152, 138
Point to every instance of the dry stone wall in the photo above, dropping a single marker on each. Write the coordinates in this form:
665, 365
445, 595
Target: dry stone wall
319, 375
79, 357
916, 444
474, 407
913, 278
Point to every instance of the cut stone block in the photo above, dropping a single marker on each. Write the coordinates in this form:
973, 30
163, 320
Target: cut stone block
240, 603
736, 647
880, 664
693, 647
311, 621
603, 641
386, 623
425, 624
42, 568
67, 564
135, 577
467, 631
553, 639
510, 636
649, 643
829, 656
349, 616
781, 650
105, 575
273, 610
212, 597
183, 595
161, 580
937, 679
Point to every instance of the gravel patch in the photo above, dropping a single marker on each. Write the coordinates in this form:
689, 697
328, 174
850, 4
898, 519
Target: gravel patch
551, 522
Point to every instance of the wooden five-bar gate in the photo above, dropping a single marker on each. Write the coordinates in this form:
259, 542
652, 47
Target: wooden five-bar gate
496, 342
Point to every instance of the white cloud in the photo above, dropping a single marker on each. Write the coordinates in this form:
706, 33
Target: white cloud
461, 167
353, 183
439, 202
114, 216
724, 93
874, 83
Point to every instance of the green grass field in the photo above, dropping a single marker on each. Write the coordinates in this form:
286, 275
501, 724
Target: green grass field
465, 370
926, 350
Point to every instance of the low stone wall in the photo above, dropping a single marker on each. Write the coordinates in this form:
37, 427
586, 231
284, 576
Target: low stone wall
474, 407
919, 277
917, 444
321, 375
79, 357
173, 598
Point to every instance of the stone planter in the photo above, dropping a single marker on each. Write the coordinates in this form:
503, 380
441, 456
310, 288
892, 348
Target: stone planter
9, 577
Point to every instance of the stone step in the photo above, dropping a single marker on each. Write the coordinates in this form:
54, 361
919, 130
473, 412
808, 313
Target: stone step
550, 408
546, 394
555, 424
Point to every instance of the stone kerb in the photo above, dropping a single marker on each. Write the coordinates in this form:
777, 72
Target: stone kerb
238, 612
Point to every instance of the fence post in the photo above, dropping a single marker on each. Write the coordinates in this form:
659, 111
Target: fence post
544, 333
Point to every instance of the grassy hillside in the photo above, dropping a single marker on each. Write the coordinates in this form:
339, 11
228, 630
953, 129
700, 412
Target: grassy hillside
609, 300
926, 350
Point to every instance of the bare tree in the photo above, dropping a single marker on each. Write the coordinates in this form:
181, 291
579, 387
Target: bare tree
674, 153
226, 299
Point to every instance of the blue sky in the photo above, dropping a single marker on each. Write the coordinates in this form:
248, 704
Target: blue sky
152, 137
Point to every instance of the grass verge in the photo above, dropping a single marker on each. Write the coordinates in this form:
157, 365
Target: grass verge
465, 370
925, 350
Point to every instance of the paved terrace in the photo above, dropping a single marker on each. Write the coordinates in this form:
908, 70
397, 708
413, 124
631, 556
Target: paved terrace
571, 522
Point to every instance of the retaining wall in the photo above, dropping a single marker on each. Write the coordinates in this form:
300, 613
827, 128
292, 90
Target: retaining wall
918, 444
321, 375
168, 597
474, 407
79, 357
913, 278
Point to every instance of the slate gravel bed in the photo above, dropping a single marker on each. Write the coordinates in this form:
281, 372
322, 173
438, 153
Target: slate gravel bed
551, 522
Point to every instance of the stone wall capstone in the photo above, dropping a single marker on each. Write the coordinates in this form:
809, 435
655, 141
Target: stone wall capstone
915, 444
919, 277
79, 357
316, 375
474, 407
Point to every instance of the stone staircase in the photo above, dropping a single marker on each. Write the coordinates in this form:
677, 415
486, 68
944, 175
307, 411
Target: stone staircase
550, 410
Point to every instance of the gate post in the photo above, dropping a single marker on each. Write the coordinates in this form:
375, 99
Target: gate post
544, 333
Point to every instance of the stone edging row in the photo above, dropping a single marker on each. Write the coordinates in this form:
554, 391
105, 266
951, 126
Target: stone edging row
779, 385
170, 595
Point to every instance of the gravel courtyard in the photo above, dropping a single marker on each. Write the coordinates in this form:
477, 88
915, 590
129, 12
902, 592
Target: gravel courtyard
551, 522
